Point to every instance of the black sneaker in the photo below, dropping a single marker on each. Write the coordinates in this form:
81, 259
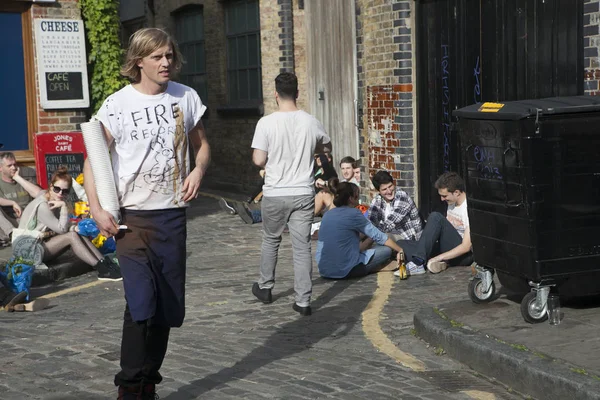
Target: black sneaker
263, 295
108, 270
225, 206
304, 311
244, 212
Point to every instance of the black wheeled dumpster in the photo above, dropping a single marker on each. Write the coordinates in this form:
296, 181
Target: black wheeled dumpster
532, 174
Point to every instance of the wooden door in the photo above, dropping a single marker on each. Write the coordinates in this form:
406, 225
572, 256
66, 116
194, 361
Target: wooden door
331, 59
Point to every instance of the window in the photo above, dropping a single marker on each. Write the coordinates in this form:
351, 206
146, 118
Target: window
242, 27
128, 28
189, 25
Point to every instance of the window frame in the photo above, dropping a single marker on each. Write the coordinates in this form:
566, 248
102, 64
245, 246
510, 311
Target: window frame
237, 103
193, 8
27, 156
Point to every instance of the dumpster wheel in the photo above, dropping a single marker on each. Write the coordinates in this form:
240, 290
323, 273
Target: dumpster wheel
530, 310
476, 291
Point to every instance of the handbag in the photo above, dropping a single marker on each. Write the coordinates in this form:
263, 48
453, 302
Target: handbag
26, 243
29, 226
18, 232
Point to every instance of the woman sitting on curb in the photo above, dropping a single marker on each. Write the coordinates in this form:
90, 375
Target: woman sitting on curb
339, 252
58, 233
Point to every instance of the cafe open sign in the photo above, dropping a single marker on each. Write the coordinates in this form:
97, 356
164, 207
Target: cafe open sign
62, 67
53, 150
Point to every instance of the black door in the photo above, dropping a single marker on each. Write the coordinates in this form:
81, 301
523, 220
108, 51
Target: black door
470, 51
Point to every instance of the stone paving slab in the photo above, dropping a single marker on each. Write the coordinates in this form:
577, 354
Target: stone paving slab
232, 346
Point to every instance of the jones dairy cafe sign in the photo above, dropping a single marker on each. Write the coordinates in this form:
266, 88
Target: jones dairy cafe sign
61, 62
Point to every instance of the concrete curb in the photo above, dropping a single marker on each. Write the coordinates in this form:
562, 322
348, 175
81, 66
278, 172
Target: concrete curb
66, 266
521, 370
59, 272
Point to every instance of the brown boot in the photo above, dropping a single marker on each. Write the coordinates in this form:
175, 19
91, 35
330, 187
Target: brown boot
8, 298
32, 306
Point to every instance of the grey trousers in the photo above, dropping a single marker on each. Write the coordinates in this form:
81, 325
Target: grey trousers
298, 213
6, 225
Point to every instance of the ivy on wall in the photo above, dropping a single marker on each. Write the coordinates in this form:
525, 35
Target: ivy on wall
102, 24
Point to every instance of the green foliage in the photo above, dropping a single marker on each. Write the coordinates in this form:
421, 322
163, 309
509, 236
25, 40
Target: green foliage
101, 18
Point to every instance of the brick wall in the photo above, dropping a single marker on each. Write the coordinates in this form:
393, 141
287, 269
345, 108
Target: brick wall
229, 136
269, 47
300, 61
386, 92
278, 33
591, 43
56, 120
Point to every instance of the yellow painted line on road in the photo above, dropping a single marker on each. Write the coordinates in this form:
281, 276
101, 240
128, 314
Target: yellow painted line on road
372, 328
73, 289
479, 395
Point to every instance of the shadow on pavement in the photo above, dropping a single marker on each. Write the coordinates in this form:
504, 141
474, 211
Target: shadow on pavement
44, 290
291, 338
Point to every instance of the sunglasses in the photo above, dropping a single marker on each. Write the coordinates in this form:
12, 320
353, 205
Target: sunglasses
64, 192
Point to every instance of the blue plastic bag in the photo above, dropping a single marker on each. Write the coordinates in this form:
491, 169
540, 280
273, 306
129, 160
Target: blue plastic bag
87, 227
17, 276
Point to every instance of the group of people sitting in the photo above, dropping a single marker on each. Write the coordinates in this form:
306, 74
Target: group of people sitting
352, 243
47, 215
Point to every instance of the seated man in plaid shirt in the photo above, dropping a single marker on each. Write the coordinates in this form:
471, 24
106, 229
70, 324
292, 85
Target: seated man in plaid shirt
392, 211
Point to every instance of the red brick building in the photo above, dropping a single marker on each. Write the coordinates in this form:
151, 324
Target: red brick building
382, 75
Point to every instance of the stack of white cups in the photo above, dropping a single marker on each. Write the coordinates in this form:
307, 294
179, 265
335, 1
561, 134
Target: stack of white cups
99, 159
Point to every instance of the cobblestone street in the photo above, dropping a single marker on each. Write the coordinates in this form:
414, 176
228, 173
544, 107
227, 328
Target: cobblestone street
233, 347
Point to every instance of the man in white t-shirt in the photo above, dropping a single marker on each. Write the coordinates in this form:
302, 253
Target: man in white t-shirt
445, 240
149, 126
284, 145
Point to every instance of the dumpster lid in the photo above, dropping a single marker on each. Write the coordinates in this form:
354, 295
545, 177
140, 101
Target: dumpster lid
515, 110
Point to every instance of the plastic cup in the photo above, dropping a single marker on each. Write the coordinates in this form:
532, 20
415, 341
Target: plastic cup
553, 309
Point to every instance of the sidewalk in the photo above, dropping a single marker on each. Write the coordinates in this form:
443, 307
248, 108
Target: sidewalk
540, 360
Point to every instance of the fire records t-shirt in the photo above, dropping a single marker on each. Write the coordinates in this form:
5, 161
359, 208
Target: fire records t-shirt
150, 154
458, 217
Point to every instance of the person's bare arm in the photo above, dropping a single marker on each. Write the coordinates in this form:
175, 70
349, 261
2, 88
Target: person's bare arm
458, 251
191, 185
104, 220
259, 158
10, 203
394, 246
31, 188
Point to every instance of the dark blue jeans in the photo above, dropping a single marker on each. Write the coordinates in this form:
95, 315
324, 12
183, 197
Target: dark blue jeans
439, 236
380, 259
